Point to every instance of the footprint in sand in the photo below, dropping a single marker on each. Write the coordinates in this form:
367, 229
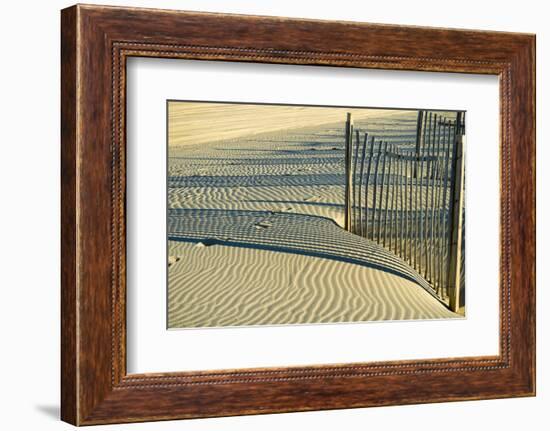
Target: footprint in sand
173, 259
263, 224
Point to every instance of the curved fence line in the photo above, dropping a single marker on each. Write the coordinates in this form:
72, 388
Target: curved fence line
410, 201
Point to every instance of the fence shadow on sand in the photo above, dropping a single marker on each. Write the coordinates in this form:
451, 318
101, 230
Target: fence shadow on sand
288, 233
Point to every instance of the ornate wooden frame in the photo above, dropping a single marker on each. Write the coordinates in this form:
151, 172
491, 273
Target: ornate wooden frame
95, 42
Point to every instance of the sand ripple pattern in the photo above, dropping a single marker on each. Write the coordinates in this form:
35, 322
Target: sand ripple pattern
261, 287
254, 235
290, 233
256, 268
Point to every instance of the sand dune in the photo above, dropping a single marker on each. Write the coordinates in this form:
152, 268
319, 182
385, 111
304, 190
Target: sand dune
195, 123
254, 236
261, 287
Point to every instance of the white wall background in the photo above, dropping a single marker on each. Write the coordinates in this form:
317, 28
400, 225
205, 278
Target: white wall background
29, 214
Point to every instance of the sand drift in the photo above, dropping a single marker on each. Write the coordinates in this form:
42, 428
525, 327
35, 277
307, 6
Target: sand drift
255, 235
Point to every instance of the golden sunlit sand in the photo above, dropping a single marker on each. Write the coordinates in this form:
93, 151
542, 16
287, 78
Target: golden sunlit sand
255, 216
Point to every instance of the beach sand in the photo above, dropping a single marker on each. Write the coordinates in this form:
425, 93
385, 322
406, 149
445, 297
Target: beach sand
254, 224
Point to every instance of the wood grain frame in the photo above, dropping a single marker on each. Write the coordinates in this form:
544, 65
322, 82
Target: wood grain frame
96, 41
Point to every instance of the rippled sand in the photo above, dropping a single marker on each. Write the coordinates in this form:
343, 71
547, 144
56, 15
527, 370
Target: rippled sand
254, 235
197, 123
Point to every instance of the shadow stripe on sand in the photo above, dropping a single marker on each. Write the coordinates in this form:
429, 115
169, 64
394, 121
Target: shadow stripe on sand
289, 233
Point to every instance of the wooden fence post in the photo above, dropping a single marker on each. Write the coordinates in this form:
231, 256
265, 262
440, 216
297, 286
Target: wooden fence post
359, 204
457, 202
427, 183
371, 156
349, 183
419, 134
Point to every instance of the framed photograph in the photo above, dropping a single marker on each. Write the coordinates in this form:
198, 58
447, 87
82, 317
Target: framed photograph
263, 214
278, 214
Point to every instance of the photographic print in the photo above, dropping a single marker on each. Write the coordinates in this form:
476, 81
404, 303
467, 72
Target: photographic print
279, 257
297, 214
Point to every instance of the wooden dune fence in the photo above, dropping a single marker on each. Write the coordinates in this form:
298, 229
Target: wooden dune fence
409, 197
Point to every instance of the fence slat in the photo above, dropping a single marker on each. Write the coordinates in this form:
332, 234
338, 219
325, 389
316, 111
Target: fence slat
436, 206
393, 217
366, 234
402, 209
430, 208
388, 187
411, 218
374, 195
362, 166
455, 252
354, 207
421, 119
426, 144
429, 194
347, 162
406, 199
384, 154
445, 234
